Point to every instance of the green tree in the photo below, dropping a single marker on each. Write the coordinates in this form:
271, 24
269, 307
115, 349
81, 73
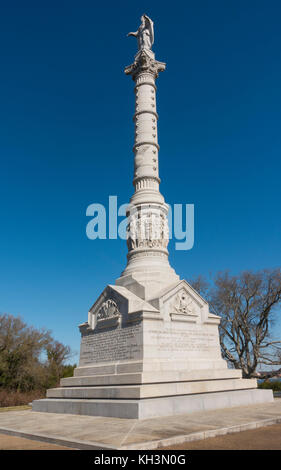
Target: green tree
22, 349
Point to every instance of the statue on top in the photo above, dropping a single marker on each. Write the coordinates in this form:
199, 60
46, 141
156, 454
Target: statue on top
144, 34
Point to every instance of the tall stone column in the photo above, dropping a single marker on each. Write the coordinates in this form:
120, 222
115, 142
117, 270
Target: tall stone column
148, 269
150, 346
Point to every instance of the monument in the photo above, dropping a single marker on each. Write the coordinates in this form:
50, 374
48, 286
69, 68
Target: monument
150, 346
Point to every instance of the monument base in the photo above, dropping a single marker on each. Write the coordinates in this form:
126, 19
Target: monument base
154, 407
140, 359
147, 389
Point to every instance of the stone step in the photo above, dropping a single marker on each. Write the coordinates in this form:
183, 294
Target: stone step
152, 390
147, 366
151, 377
154, 407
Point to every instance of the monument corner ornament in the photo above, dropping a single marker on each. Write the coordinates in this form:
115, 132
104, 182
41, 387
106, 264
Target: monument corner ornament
150, 345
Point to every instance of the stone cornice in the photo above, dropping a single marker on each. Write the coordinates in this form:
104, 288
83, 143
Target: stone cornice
145, 64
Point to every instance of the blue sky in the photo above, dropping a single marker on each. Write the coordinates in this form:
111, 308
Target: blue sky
66, 136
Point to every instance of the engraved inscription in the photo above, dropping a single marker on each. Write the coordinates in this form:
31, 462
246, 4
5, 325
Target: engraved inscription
111, 345
182, 341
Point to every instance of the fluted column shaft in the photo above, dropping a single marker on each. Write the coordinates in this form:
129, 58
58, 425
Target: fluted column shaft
148, 232
146, 139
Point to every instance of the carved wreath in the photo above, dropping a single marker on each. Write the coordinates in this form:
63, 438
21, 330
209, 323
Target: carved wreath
108, 309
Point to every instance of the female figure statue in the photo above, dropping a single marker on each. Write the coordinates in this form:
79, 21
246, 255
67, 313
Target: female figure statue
145, 33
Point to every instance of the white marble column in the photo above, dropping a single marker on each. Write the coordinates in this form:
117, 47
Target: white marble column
148, 232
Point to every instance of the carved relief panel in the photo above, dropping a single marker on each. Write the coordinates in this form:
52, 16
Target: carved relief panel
148, 229
108, 309
182, 306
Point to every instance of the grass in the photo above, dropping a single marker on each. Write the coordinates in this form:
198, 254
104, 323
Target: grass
15, 408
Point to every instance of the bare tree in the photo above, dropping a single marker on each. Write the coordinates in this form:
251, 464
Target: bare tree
57, 354
248, 307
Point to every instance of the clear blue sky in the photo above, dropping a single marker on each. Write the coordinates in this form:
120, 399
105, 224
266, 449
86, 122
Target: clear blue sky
66, 137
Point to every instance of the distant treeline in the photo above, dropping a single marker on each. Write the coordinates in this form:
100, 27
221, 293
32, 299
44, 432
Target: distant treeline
31, 361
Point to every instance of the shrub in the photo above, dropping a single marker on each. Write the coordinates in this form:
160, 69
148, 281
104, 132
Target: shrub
16, 398
274, 385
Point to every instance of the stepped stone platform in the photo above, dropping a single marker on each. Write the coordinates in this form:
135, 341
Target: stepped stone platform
147, 394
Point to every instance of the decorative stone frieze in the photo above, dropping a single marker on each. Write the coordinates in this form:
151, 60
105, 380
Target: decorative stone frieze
148, 230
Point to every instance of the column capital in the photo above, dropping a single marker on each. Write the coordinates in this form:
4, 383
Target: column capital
145, 63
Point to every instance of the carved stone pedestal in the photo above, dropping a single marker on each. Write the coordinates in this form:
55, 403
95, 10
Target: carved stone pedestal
141, 359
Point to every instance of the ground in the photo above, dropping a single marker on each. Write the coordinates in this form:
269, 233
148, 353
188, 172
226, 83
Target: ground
255, 427
18, 443
265, 438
